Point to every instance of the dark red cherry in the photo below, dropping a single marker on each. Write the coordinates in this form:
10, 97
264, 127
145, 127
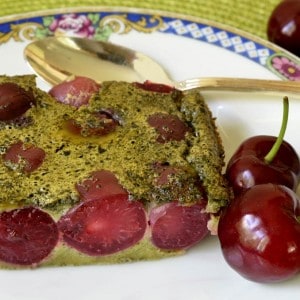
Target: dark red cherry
104, 225
168, 127
155, 87
265, 159
259, 233
24, 157
284, 26
27, 236
247, 167
100, 184
14, 101
75, 92
98, 124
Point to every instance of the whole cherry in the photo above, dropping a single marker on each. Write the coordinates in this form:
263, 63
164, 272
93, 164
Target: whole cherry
259, 233
264, 159
283, 26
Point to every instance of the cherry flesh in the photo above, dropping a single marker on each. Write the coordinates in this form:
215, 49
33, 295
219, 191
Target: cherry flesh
75, 92
284, 25
260, 235
14, 101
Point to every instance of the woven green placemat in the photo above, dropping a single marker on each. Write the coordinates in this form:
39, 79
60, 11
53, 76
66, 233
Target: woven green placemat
250, 16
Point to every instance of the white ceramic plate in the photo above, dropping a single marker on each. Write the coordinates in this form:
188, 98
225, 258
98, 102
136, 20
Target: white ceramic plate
187, 47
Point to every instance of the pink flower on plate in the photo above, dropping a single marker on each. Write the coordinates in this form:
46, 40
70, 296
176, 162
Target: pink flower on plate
72, 24
286, 67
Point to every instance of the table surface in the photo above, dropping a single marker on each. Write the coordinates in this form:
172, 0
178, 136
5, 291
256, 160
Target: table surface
251, 16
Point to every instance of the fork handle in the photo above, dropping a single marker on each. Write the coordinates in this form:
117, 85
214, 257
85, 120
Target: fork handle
240, 85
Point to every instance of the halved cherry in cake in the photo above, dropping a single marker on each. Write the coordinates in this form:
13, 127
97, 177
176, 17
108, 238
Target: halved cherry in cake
169, 127
100, 184
155, 87
26, 157
176, 227
27, 236
75, 92
97, 124
176, 182
14, 101
104, 226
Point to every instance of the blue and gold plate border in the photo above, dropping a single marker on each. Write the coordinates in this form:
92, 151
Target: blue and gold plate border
101, 24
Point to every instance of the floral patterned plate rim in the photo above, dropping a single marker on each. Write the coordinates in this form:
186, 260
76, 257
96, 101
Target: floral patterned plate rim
100, 23
187, 47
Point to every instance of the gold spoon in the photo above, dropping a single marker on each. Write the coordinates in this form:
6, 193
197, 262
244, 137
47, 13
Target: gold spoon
56, 59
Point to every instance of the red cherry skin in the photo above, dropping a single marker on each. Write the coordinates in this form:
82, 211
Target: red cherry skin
100, 184
103, 226
247, 166
283, 26
168, 127
154, 87
76, 92
260, 235
24, 157
14, 101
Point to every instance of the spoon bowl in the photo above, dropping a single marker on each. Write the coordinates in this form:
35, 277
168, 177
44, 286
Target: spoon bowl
56, 59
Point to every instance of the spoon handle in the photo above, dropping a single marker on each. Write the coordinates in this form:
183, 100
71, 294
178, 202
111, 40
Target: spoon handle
240, 85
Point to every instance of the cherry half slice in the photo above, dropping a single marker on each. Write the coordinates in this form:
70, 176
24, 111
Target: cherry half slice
27, 236
104, 226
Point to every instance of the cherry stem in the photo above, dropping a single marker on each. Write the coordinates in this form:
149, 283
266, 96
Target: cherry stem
272, 153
